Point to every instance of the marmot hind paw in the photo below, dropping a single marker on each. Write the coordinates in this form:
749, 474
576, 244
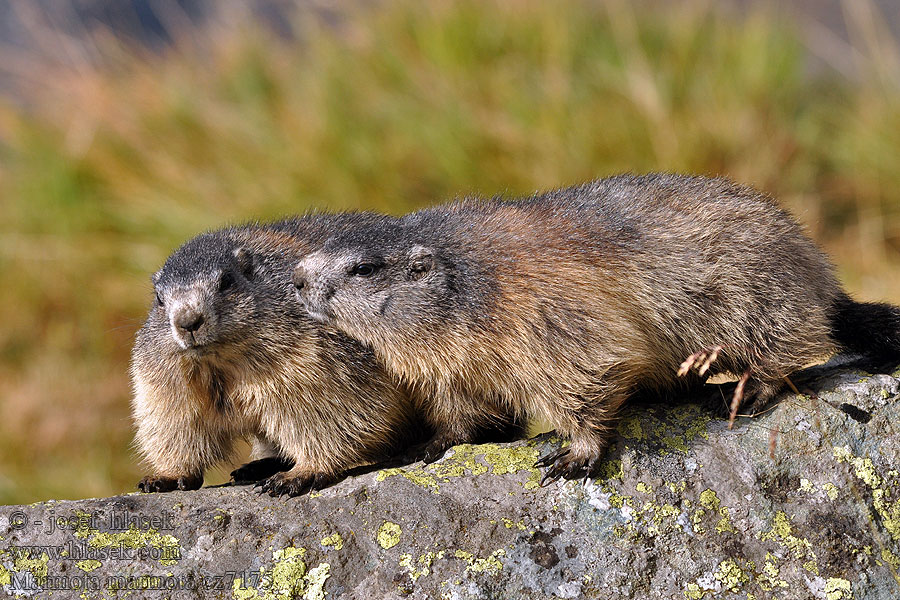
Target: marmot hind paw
281, 483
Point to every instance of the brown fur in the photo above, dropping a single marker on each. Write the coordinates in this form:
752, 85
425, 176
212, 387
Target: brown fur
563, 305
300, 391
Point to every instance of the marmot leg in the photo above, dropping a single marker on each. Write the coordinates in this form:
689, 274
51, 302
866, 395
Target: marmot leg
590, 428
179, 452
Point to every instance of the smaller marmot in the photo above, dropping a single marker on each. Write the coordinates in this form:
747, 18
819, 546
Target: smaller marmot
227, 353
565, 304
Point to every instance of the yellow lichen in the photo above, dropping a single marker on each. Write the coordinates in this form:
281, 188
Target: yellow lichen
335, 540
697, 520
465, 459
388, 535
693, 592
659, 519
490, 564
830, 490
239, 591
709, 499
419, 477
169, 548
769, 579
612, 469
88, 565
510, 524
782, 532
695, 421
37, 566
510, 460
888, 510
864, 469
618, 501
690, 422
425, 562
730, 575
630, 428
724, 523
838, 589
678, 488
710, 503
462, 459
675, 442
286, 578
316, 581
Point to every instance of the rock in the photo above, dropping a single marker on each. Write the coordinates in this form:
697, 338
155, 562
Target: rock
801, 502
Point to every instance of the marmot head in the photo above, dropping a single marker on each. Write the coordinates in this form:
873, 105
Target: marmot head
204, 296
382, 284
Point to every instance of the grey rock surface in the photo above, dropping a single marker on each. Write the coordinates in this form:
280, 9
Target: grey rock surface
801, 502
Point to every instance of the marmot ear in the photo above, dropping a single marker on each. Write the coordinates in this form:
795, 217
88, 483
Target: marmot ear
421, 261
154, 279
244, 259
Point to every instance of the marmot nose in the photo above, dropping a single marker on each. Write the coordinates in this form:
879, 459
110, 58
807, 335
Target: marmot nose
189, 320
298, 278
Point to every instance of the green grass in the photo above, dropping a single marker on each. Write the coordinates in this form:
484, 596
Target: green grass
114, 164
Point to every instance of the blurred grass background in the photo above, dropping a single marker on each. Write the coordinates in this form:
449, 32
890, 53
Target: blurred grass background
112, 156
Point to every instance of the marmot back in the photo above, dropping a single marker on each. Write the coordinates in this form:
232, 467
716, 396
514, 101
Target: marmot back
227, 353
564, 304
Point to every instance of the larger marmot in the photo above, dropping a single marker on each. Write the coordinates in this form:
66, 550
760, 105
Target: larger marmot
227, 353
564, 304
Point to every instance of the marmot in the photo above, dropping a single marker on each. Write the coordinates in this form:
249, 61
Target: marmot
227, 352
564, 304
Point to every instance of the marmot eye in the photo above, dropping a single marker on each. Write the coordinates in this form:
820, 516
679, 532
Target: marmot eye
226, 282
159, 300
363, 270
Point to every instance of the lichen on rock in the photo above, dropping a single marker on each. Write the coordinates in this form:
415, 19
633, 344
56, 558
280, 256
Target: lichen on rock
800, 502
